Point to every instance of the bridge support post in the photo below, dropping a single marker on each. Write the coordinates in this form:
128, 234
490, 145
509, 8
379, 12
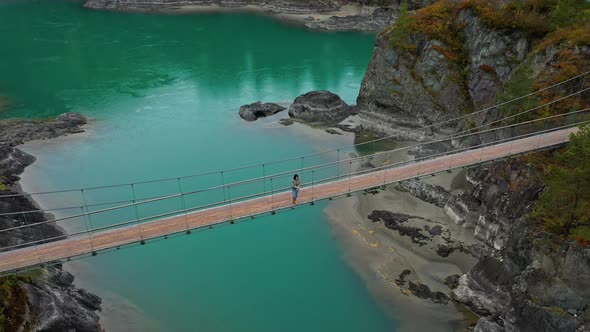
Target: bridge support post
32, 236
272, 195
349, 177
231, 212
188, 231
263, 179
137, 214
89, 225
312, 185
338, 164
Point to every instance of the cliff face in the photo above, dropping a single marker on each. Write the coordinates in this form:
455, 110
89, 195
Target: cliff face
401, 91
528, 281
433, 75
43, 299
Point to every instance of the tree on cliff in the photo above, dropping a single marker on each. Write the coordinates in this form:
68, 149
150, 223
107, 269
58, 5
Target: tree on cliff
564, 207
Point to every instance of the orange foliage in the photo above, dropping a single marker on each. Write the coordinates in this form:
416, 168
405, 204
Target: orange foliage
443, 51
487, 68
571, 36
582, 241
528, 15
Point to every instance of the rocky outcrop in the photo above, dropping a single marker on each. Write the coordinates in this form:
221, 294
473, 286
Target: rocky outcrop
58, 305
407, 89
351, 124
493, 57
319, 106
402, 91
16, 132
429, 193
252, 112
51, 301
12, 162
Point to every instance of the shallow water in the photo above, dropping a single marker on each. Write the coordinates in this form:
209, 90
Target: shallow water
164, 92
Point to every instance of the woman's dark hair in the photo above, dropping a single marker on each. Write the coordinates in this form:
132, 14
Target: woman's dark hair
295, 177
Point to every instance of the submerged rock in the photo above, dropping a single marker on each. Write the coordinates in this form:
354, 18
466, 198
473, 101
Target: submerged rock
395, 221
319, 106
402, 277
286, 122
423, 291
452, 281
252, 112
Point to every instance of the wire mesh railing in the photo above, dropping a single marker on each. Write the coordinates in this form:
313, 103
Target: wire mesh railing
177, 202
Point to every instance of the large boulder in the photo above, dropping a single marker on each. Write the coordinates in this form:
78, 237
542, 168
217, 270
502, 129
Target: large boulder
258, 109
319, 106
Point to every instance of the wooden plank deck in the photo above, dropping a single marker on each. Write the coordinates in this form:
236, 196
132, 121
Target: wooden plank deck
101, 240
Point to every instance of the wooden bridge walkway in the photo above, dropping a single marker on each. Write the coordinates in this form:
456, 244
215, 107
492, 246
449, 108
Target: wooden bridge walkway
101, 240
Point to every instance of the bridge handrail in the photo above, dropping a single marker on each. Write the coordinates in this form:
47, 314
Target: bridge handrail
317, 167
343, 177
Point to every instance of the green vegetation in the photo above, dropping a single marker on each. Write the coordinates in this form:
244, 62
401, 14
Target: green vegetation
520, 84
439, 21
564, 208
551, 22
399, 33
534, 17
13, 303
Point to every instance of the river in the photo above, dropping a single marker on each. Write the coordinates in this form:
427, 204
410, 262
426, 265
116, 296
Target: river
163, 92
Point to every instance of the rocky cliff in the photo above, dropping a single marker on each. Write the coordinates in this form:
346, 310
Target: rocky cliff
449, 59
43, 299
529, 280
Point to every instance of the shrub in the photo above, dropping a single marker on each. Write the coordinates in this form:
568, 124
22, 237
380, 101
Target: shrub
13, 304
439, 21
401, 30
564, 207
576, 35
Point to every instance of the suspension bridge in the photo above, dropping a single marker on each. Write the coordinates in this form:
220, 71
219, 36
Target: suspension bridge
109, 217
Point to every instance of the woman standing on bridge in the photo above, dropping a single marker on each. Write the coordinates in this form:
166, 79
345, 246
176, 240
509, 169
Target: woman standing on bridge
295, 185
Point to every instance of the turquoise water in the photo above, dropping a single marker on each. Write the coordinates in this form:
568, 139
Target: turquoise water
164, 92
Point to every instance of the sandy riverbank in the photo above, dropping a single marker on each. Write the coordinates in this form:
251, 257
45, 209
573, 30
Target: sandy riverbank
347, 17
380, 254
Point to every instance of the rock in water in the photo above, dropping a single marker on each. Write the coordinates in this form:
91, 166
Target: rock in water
15, 132
258, 109
319, 106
